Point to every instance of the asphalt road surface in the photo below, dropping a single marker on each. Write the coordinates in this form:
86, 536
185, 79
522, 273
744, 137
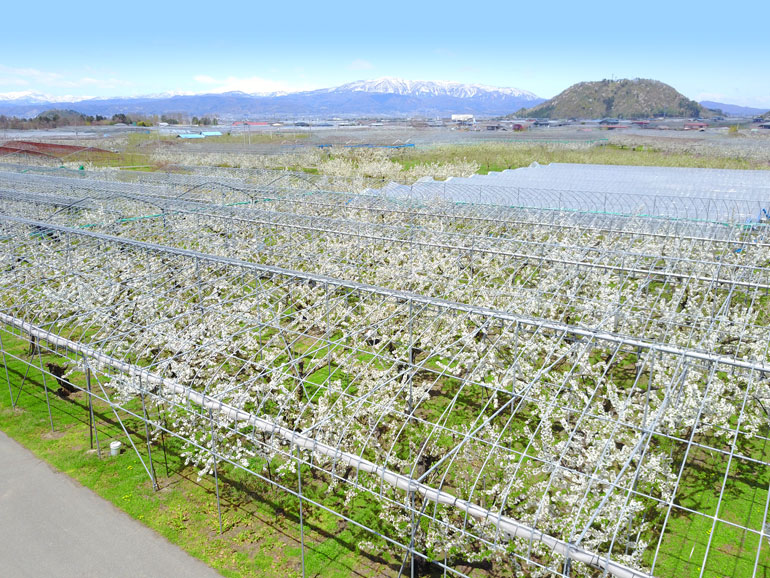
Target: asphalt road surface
52, 526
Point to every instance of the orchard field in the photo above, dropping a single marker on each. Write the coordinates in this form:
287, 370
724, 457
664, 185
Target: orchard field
447, 386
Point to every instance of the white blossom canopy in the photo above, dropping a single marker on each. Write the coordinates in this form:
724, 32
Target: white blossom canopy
561, 390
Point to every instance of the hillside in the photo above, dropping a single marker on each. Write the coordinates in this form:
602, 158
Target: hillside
638, 98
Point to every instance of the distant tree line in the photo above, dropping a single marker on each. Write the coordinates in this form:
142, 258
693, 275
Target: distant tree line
52, 119
205, 121
60, 118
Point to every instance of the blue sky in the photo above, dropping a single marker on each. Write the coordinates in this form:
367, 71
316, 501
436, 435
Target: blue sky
111, 48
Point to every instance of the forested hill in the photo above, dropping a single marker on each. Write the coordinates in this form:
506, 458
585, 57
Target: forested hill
638, 98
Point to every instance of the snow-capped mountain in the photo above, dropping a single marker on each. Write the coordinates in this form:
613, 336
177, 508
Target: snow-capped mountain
167, 94
32, 97
390, 85
385, 97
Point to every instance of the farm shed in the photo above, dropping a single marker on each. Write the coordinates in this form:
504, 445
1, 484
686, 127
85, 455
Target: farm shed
463, 118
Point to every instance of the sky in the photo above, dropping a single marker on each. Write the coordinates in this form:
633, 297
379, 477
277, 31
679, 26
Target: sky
718, 52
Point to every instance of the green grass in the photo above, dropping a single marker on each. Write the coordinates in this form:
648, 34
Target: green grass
261, 137
142, 139
501, 156
136, 150
261, 528
733, 551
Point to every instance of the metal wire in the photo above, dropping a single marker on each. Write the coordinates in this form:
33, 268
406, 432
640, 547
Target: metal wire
522, 384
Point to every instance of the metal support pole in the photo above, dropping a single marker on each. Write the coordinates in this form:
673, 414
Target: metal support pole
23, 380
147, 438
114, 407
162, 421
408, 549
327, 330
45, 385
5, 366
411, 359
301, 513
198, 286
92, 431
216, 472
414, 532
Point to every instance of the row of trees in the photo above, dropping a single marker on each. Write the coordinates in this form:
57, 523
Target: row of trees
205, 121
51, 119
59, 118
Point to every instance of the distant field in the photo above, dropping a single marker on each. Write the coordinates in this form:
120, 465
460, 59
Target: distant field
435, 152
501, 156
489, 154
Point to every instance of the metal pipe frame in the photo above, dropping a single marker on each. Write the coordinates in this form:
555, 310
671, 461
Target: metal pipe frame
585, 434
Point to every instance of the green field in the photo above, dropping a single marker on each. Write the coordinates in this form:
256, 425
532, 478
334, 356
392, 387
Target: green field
261, 535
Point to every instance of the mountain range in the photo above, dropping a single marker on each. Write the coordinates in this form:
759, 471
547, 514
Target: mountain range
734, 109
391, 97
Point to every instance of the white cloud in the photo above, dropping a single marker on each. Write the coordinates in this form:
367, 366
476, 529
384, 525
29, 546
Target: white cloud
45, 80
714, 96
361, 64
25, 74
13, 81
17, 94
248, 84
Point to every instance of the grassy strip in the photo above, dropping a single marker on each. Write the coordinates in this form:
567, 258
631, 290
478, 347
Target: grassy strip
228, 136
732, 551
501, 156
260, 526
137, 150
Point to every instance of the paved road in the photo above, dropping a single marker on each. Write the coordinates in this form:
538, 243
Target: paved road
51, 526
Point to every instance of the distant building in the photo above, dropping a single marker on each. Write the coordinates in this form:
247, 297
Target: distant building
765, 125
463, 118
